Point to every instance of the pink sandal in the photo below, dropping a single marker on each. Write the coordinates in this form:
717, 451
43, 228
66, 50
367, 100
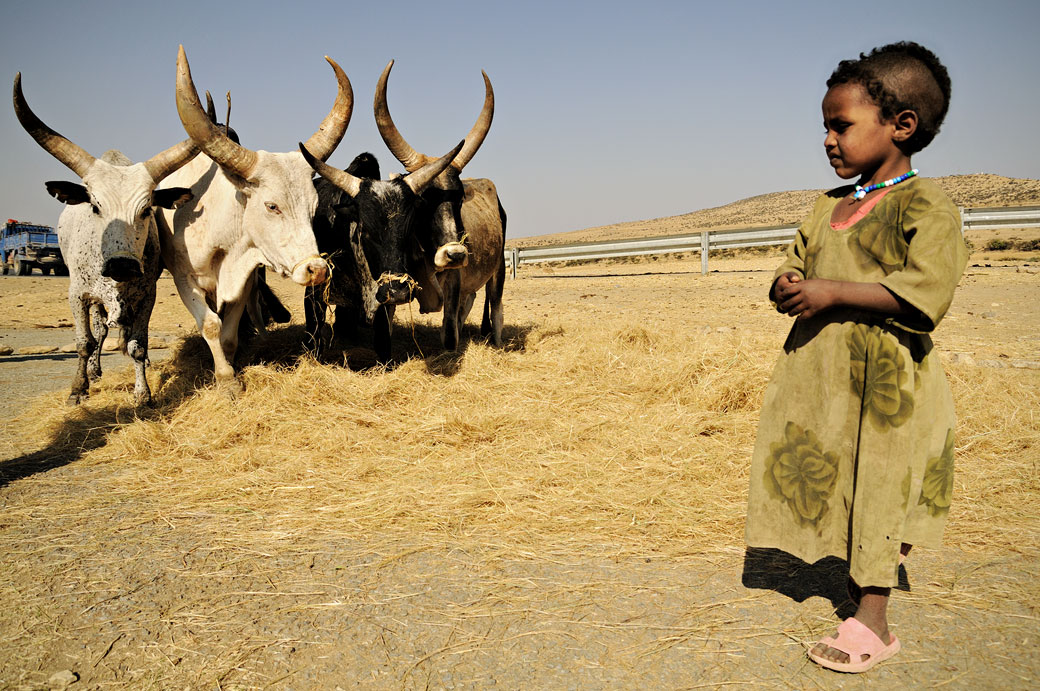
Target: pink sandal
856, 640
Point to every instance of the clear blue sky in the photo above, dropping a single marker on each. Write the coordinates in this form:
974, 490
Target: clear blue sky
606, 111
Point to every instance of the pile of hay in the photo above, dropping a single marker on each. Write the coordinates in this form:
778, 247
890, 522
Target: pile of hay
575, 438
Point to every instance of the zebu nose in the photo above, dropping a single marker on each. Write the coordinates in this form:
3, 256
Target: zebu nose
311, 272
394, 292
122, 269
451, 256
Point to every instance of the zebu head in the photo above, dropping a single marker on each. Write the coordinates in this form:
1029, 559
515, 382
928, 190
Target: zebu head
275, 189
121, 195
442, 227
383, 216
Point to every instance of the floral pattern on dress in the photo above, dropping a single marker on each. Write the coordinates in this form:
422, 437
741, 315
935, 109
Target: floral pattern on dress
879, 376
937, 487
800, 473
880, 236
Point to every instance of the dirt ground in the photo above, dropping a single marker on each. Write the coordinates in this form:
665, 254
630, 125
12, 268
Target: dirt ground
397, 611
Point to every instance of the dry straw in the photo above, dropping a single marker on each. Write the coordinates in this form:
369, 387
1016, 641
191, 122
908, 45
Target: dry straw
192, 545
623, 440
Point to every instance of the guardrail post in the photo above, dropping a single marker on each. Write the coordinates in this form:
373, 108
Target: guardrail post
704, 252
514, 261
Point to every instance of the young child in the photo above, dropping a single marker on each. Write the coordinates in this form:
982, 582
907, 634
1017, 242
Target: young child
854, 456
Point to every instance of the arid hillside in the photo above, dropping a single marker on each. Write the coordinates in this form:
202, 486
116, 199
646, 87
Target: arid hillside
778, 208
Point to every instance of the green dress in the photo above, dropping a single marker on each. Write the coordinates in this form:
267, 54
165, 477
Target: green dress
854, 453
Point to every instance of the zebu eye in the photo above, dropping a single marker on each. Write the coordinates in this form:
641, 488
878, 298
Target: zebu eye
146, 212
272, 207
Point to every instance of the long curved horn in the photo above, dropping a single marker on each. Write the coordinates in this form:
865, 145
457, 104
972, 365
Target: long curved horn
480, 128
340, 178
53, 143
165, 162
209, 137
418, 180
411, 159
327, 138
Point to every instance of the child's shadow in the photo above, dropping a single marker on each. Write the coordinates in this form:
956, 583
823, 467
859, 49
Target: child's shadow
773, 569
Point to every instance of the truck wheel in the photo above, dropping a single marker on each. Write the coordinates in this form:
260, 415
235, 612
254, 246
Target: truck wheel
21, 268
3, 267
45, 270
61, 271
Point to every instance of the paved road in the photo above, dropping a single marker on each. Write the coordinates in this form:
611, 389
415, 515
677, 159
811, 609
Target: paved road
25, 376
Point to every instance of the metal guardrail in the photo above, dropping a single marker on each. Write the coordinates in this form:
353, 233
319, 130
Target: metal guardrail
708, 240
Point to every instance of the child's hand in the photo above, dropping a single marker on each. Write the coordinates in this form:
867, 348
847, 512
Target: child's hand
782, 288
805, 299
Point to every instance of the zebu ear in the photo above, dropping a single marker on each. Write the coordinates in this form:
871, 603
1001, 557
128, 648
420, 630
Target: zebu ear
68, 192
171, 198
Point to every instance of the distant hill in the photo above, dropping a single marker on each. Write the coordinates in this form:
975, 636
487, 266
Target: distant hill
780, 208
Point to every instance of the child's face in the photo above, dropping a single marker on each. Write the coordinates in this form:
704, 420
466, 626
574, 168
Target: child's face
858, 143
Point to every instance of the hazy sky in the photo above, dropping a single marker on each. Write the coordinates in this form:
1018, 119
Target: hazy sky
606, 111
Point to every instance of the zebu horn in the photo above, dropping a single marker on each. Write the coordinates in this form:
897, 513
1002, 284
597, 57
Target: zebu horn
56, 145
165, 162
323, 142
208, 136
480, 128
418, 180
350, 184
411, 159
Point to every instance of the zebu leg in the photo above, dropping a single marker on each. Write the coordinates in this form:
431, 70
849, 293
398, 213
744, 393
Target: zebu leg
492, 321
99, 329
137, 347
450, 322
210, 326
314, 307
229, 341
381, 328
85, 347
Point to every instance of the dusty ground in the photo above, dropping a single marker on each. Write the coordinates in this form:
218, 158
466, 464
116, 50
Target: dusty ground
400, 611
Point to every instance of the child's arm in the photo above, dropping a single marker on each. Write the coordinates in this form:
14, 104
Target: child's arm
802, 298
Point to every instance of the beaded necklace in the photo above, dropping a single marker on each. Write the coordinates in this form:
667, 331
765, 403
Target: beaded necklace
862, 191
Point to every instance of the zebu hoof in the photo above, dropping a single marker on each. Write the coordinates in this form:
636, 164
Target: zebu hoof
144, 400
75, 398
232, 387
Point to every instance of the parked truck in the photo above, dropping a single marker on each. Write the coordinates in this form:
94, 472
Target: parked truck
27, 246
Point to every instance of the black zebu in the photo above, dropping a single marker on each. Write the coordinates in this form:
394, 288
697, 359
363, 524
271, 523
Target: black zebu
369, 234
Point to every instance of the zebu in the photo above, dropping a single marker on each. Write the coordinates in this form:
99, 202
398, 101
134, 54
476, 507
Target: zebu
250, 209
373, 233
464, 232
110, 243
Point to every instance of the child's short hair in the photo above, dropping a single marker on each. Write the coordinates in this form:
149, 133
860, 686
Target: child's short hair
902, 76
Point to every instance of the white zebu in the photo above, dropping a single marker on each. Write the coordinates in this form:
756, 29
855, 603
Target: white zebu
250, 209
465, 231
109, 241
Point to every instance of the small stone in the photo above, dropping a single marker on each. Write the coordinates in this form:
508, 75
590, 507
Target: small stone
111, 345
706, 330
68, 348
62, 679
989, 315
157, 344
1025, 364
6, 350
995, 364
37, 350
963, 358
